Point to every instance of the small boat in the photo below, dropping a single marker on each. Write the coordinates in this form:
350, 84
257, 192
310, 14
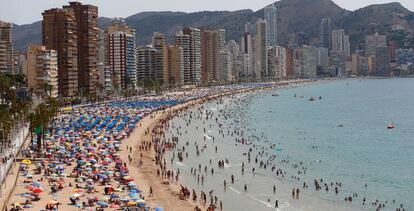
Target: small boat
391, 126
312, 99
275, 95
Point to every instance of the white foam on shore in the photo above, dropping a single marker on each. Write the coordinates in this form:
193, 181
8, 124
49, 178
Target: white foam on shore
263, 202
268, 204
180, 164
207, 136
234, 190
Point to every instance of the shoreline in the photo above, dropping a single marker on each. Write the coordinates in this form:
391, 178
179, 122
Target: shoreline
146, 176
167, 195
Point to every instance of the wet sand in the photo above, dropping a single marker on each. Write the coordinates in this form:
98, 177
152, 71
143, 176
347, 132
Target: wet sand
164, 195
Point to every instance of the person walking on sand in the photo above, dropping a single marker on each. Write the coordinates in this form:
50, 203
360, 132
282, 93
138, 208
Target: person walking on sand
151, 192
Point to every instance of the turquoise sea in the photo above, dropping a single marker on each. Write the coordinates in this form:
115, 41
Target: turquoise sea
342, 137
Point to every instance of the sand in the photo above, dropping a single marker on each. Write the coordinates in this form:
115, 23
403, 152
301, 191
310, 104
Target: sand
165, 195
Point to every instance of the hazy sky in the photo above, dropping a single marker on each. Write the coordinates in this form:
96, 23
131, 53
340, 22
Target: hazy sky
28, 11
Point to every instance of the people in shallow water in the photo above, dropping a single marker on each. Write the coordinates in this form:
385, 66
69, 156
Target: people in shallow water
260, 149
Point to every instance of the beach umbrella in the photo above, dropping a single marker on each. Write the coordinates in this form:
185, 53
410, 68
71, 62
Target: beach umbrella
77, 190
36, 184
105, 198
131, 203
102, 203
133, 191
141, 203
118, 190
37, 190
159, 209
114, 196
132, 195
115, 206
27, 162
125, 199
27, 206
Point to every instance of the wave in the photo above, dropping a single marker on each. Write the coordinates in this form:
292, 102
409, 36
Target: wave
180, 164
270, 205
234, 190
207, 136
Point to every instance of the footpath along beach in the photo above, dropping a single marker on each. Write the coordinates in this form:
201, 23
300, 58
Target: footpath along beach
94, 158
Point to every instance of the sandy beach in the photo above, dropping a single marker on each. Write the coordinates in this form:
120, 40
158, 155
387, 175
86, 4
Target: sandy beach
134, 152
165, 195
139, 164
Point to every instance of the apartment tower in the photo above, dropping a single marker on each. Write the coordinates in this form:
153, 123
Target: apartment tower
270, 15
42, 70
60, 33
120, 54
195, 53
5, 47
88, 45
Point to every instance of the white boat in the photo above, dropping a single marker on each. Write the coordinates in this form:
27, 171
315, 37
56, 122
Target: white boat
391, 126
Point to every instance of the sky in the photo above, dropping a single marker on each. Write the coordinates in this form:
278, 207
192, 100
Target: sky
28, 11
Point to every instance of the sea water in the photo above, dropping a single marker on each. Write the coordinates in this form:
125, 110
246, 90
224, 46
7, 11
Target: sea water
341, 137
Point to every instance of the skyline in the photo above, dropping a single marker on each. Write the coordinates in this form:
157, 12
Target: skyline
33, 9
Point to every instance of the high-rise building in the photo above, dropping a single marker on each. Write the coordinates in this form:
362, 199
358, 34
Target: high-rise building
146, 58
225, 65
175, 66
356, 64
281, 56
221, 39
183, 40
270, 15
237, 60
120, 54
290, 70
340, 43
325, 34
195, 53
209, 52
105, 73
17, 62
41, 69
212, 42
60, 33
337, 64
248, 55
261, 63
273, 62
322, 60
382, 61
5, 47
158, 43
86, 17
250, 28
374, 41
347, 47
307, 59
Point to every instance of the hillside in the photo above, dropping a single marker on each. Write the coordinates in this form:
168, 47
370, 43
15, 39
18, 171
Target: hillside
293, 16
381, 18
